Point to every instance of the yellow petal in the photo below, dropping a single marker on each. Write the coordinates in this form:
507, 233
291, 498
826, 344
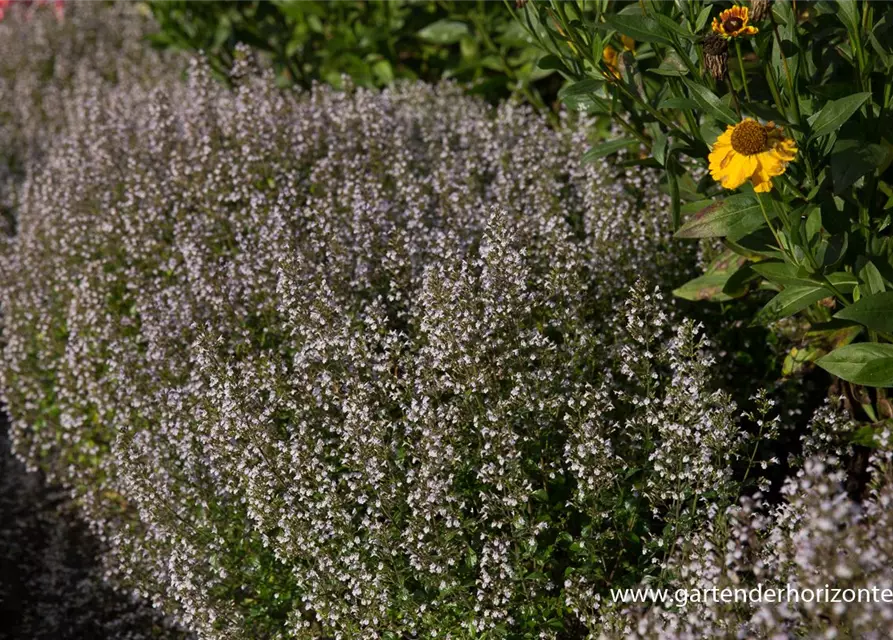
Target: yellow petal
786, 150
762, 178
770, 164
738, 171
725, 137
761, 187
720, 159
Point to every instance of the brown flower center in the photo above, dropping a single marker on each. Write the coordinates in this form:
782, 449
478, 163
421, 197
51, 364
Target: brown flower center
749, 137
732, 24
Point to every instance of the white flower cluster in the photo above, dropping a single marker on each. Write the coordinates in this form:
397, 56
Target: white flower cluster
306, 359
828, 558
50, 65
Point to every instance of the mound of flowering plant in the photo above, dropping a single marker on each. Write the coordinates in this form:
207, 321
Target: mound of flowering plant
826, 559
770, 122
359, 364
51, 64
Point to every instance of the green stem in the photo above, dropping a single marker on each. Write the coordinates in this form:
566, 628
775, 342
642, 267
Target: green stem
741, 69
770, 225
795, 99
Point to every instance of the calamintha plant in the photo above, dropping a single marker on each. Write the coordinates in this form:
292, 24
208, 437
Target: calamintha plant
358, 364
770, 123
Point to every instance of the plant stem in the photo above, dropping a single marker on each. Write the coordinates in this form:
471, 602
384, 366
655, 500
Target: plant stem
741, 69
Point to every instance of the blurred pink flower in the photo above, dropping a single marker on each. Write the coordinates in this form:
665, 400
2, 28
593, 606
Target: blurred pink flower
58, 7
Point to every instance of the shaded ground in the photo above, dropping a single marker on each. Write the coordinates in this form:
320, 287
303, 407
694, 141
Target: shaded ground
50, 581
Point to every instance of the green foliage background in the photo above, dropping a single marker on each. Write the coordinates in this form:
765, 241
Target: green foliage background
373, 42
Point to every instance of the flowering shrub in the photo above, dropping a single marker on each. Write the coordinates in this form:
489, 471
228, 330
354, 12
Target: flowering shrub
818, 541
359, 364
786, 106
49, 65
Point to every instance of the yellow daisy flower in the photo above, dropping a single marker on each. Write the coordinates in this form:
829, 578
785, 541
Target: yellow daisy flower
732, 23
751, 151
628, 43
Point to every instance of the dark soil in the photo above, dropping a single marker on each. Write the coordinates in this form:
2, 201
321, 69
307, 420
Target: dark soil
51, 585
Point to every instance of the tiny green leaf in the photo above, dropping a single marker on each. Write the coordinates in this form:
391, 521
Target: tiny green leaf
677, 103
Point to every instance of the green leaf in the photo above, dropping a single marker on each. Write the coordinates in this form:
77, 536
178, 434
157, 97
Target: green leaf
659, 147
765, 112
710, 103
852, 159
790, 301
724, 278
444, 32
873, 278
703, 18
707, 287
607, 148
865, 363
787, 275
582, 88
739, 282
735, 217
638, 28
672, 65
677, 103
671, 25
874, 312
813, 223
552, 63
835, 113
848, 13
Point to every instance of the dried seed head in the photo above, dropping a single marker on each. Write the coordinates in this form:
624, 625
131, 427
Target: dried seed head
716, 55
759, 9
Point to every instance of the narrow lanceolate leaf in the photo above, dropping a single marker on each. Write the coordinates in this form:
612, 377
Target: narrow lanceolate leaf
789, 302
707, 287
638, 28
788, 275
875, 312
835, 113
710, 103
735, 217
444, 31
607, 148
848, 13
865, 363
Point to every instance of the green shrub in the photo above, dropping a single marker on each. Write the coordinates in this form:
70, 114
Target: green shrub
810, 221
373, 42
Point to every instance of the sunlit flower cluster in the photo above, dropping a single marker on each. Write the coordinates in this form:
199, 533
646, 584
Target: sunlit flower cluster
325, 363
